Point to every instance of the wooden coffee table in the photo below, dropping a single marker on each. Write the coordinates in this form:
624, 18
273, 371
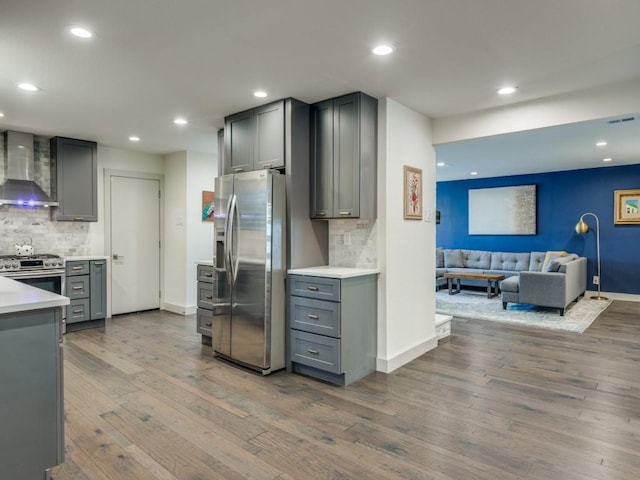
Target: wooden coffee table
491, 278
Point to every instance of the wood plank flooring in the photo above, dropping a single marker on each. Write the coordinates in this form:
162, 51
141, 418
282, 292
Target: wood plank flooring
144, 399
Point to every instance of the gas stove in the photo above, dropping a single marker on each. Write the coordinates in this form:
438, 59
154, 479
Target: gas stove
30, 263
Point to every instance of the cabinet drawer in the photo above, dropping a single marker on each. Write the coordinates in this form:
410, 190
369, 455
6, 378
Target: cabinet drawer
78, 311
315, 316
77, 287
205, 273
205, 295
315, 287
77, 267
316, 351
205, 321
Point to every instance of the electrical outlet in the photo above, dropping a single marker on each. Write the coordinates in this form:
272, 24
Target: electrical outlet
596, 280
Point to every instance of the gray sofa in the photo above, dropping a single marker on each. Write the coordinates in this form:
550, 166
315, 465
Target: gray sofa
563, 280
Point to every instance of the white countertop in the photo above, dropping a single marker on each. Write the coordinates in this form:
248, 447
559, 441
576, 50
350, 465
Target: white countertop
18, 297
205, 262
333, 272
86, 257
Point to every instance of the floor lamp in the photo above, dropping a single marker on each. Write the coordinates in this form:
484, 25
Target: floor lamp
583, 227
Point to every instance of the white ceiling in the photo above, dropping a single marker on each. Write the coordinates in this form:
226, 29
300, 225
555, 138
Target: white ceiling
151, 60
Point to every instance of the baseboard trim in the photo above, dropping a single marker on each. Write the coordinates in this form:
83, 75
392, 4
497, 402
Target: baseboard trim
391, 364
179, 309
627, 297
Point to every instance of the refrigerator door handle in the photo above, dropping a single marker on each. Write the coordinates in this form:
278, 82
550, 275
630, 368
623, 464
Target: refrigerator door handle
227, 242
233, 261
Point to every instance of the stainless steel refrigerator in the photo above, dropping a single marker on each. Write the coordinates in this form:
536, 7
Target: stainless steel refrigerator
250, 224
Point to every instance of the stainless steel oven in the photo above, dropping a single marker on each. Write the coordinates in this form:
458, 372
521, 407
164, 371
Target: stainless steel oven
42, 271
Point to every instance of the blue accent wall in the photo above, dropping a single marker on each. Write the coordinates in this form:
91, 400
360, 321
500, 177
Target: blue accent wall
562, 198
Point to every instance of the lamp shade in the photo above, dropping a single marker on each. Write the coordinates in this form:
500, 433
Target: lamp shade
582, 227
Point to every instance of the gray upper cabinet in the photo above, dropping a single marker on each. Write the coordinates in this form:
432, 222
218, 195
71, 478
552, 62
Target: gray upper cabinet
254, 139
343, 157
74, 177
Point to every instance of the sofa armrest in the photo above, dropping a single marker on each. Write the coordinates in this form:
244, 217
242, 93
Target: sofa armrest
576, 272
547, 289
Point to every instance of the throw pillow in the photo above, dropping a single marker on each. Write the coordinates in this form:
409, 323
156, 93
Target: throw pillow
550, 255
453, 259
555, 264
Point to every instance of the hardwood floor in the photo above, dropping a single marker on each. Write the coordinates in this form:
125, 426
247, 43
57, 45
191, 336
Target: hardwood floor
145, 400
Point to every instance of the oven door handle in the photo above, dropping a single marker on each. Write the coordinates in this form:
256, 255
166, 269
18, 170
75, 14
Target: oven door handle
33, 274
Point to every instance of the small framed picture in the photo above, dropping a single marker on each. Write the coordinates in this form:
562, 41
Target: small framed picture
412, 193
208, 202
626, 203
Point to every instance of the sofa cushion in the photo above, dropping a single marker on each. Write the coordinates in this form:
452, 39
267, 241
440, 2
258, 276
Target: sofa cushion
550, 255
556, 264
440, 272
537, 259
476, 259
510, 284
439, 258
453, 259
509, 261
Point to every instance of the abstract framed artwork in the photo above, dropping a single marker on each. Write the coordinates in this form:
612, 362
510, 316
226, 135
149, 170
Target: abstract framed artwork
412, 193
503, 210
626, 207
208, 200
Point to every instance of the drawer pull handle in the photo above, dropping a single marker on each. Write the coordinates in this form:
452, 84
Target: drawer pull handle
79, 287
78, 218
79, 310
266, 165
208, 275
321, 214
207, 324
238, 169
79, 267
313, 351
345, 213
313, 289
209, 297
311, 315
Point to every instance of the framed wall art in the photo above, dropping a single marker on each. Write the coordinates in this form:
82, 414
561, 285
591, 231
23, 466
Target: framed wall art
503, 210
208, 201
626, 204
412, 193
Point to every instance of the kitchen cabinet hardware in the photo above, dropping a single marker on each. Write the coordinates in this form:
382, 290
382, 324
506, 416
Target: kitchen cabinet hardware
209, 297
266, 165
77, 310
312, 288
343, 157
312, 316
78, 287
86, 286
77, 267
208, 304
313, 351
238, 170
208, 275
208, 324
78, 219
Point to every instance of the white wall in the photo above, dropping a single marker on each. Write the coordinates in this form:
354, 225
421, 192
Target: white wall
406, 248
201, 172
591, 104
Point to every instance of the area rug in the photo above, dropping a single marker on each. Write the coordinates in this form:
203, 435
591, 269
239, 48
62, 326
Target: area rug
472, 304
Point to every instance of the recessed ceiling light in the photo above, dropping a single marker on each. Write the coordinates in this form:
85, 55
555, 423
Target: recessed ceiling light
260, 94
382, 50
473, 173
607, 159
133, 138
1, 114
601, 144
440, 164
29, 87
80, 32
180, 121
507, 90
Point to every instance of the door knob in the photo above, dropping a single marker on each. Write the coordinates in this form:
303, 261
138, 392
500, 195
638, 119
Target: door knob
117, 256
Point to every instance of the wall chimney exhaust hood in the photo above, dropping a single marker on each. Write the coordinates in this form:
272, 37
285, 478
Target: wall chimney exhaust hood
18, 187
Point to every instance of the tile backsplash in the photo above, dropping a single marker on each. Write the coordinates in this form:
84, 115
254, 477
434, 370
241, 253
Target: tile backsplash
18, 224
353, 243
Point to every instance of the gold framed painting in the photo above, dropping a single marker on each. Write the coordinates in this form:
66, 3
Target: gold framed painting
626, 207
412, 193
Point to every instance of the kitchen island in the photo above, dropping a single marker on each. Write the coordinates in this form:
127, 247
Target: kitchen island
32, 414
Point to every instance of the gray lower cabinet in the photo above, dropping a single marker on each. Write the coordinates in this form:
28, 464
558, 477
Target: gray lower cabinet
254, 139
209, 284
74, 177
86, 287
31, 393
344, 157
332, 327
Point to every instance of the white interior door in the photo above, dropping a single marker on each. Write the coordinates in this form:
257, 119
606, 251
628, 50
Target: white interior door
135, 244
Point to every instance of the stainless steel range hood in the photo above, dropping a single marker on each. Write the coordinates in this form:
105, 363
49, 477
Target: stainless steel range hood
19, 187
